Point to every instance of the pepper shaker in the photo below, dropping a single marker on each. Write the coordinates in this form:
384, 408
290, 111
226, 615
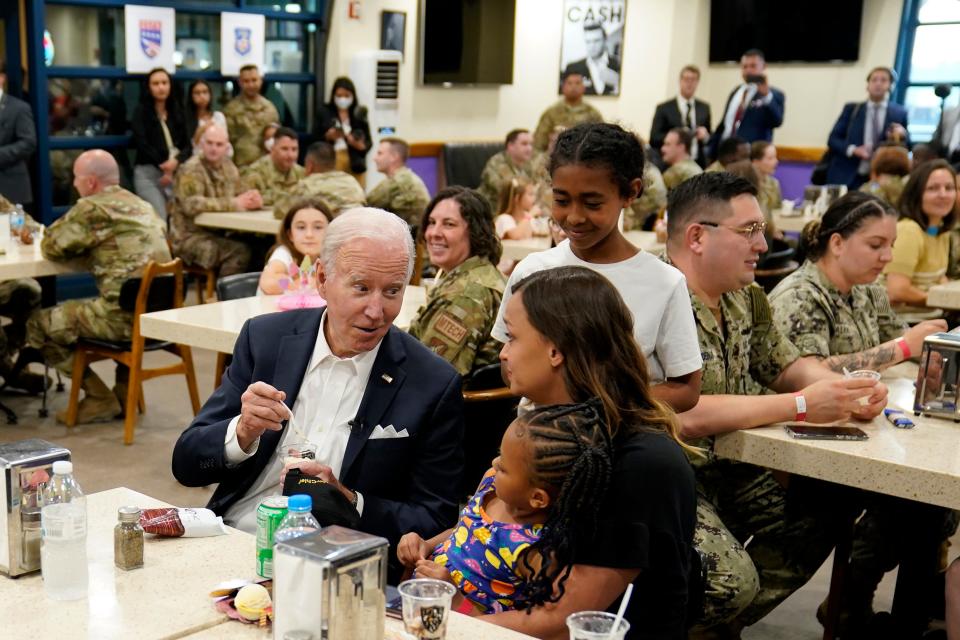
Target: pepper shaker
128, 539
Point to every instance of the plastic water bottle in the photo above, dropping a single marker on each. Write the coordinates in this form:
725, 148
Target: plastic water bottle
298, 521
17, 219
63, 524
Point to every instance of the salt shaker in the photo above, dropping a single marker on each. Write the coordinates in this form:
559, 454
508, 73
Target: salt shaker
128, 539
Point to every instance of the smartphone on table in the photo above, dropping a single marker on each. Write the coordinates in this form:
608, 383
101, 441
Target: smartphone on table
810, 432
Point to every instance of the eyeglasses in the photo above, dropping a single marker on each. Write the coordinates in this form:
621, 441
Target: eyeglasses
750, 231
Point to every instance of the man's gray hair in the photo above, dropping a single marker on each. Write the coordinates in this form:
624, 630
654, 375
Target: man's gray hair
369, 223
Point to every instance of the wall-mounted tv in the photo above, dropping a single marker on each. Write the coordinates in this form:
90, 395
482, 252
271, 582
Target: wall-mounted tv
466, 41
786, 30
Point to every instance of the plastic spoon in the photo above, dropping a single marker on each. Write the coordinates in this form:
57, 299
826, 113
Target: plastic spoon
623, 608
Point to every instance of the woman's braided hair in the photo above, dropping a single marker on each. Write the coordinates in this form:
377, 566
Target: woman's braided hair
571, 454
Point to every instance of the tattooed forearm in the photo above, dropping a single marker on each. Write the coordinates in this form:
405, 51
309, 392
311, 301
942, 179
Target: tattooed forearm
876, 358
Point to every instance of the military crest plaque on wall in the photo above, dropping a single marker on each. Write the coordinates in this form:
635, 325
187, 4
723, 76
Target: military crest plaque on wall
149, 33
241, 41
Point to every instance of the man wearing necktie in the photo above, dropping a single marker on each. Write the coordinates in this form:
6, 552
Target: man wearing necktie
684, 111
754, 108
864, 126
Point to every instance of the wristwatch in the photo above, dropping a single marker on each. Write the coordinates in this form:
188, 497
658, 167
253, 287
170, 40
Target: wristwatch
356, 499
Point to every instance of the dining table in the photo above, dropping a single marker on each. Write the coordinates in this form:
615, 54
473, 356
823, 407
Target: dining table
167, 598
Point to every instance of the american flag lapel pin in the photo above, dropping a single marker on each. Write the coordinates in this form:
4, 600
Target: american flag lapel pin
387, 378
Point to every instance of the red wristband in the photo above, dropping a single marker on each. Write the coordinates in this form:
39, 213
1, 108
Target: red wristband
904, 347
801, 407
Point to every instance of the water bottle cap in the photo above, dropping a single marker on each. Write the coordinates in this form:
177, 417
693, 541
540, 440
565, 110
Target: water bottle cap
62, 467
300, 502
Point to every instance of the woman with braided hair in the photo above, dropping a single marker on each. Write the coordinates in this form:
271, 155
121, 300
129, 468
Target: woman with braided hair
570, 340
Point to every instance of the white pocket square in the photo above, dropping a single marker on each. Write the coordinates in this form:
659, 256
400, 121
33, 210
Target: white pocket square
382, 433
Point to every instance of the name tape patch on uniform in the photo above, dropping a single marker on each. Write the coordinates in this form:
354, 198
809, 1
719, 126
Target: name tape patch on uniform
450, 327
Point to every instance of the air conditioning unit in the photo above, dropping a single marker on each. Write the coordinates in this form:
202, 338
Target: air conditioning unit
376, 74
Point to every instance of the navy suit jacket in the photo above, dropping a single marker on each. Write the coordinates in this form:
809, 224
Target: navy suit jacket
759, 120
18, 140
850, 129
408, 484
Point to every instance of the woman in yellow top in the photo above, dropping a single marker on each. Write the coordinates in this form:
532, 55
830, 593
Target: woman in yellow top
928, 210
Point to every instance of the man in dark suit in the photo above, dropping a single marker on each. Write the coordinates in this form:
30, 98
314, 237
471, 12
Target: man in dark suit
684, 111
754, 109
860, 129
18, 139
384, 412
600, 69
946, 139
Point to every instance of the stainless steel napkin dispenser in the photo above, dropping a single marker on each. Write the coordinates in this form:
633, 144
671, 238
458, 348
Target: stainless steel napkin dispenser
938, 380
25, 466
330, 585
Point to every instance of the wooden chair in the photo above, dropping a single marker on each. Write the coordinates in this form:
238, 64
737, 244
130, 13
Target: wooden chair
206, 281
417, 264
160, 287
491, 408
240, 285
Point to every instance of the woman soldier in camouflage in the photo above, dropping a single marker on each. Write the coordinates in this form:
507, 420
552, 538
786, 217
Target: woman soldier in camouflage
833, 308
462, 305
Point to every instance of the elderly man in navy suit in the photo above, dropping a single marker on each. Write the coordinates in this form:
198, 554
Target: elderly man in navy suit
860, 129
384, 412
754, 109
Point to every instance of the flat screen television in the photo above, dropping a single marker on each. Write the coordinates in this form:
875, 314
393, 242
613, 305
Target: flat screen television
786, 30
466, 41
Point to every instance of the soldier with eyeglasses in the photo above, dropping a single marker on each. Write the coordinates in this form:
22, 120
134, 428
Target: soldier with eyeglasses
715, 237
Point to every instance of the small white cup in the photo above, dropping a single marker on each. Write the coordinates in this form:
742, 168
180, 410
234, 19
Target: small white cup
865, 373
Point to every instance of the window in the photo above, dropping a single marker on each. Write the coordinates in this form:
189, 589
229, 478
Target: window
927, 56
85, 36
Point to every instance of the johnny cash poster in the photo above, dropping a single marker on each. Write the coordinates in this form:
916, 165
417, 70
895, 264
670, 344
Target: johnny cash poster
592, 43
241, 42
149, 33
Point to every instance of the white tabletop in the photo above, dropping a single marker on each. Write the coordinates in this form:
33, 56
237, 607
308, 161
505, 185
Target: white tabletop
168, 597
944, 296
26, 261
921, 464
520, 249
253, 221
794, 223
459, 627
216, 325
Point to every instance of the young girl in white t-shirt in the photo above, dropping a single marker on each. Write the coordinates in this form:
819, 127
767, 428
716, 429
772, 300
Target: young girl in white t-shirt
597, 171
514, 221
301, 234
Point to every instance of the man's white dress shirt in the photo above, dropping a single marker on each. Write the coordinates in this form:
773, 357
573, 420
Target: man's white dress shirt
328, 401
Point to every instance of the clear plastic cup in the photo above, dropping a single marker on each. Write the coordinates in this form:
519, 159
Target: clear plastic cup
426, 607
595, 625
865, 373
299, 451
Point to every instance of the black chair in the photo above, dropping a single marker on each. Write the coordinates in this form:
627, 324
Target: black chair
239, 285
491, 408
463, 162
160, 288
776, 264
696, 587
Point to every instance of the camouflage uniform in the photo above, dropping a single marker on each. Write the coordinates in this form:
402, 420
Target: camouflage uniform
459, 313
715, 166
246, 120
889, 190
403, 193
264, 176
500, 170
769, 195
18, 299
561, 114
338, 189
822, 322
680, 172
737, 501
953, 263
115, 233
651, 201
197, 188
